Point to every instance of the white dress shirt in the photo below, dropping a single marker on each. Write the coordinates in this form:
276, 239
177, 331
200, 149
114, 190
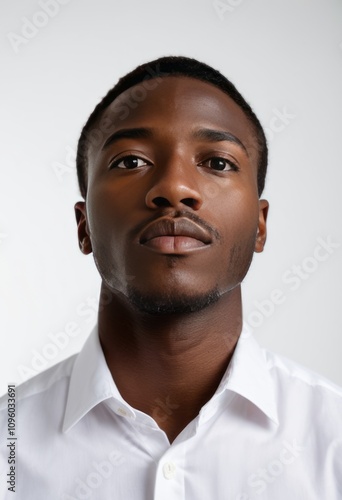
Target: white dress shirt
272, 430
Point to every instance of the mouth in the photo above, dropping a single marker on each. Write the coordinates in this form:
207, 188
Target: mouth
171, 236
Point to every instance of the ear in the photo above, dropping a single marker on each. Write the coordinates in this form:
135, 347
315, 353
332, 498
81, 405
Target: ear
82, 228
262, 232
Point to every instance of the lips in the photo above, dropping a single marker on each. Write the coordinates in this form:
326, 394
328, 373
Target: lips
170, 235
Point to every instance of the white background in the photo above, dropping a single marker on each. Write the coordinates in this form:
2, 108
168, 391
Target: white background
282, 55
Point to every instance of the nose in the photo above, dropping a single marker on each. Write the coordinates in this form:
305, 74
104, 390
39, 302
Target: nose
174, 185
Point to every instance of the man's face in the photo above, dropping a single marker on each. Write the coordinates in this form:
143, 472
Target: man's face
172, 213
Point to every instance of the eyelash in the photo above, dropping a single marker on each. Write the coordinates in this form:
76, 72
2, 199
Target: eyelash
116, 163
231, 164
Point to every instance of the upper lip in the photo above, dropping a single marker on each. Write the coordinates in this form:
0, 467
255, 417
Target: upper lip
181, 226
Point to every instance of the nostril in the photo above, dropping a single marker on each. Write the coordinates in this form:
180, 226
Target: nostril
190, 202
160, 201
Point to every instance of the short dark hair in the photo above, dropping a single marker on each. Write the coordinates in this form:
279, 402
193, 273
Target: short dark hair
161, 68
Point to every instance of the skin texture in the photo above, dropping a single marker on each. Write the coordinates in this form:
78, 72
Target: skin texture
170, 315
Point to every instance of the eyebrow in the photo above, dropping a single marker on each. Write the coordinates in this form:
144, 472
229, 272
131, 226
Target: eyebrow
128, 133
211, 135
206, 134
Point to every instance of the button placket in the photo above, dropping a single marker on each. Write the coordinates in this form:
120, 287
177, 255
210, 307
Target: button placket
170, 479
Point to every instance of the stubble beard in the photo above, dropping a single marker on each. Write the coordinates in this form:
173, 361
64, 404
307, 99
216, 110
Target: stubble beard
176, 302
171, 303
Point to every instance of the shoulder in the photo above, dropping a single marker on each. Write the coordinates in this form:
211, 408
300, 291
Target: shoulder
288, 371
55, 378
305, 396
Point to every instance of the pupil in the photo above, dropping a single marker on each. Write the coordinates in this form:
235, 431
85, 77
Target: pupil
130, 162
218, 163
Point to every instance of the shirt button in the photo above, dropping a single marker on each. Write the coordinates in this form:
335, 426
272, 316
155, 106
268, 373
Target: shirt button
169, 470
122, 412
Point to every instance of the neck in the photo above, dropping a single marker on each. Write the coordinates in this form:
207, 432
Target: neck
169, 366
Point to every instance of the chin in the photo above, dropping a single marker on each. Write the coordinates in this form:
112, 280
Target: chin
163, 304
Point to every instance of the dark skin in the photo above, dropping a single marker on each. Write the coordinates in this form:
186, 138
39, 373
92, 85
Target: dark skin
168, 361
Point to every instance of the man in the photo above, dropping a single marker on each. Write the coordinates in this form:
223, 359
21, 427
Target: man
171, 397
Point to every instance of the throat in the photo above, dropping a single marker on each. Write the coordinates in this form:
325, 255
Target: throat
170, 366
172, 392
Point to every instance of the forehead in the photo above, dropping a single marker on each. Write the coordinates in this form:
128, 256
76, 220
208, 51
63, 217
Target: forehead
188, 103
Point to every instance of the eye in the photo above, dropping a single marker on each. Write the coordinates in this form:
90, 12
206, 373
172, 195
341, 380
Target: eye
129, 162
221, 164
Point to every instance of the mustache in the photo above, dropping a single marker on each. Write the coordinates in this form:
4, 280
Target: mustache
174, 214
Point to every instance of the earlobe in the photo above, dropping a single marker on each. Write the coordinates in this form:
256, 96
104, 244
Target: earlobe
262, 229
82, 228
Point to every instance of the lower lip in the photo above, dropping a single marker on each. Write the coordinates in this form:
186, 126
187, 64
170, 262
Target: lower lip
174, 244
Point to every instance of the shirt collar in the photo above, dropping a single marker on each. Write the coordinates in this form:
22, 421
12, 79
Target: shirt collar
91, 381
248, 375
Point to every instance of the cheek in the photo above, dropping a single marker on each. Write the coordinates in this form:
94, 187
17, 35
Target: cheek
107, 220
237, 213
238, 222
110, 206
